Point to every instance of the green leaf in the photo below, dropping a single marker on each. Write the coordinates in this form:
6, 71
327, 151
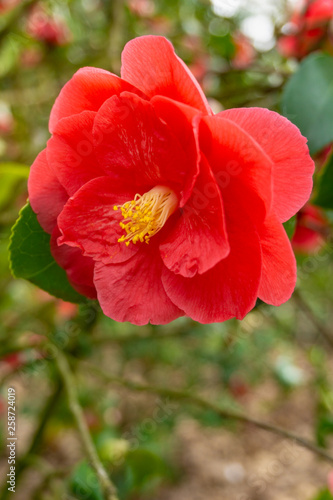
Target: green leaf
84, 484
9, 54
290, 226
324, 196
10, 175
31, 258
308, 100
324, 495
144, 465
324, 429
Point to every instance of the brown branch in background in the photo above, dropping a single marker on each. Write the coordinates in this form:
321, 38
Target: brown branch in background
70, 386
208, 405
322, 329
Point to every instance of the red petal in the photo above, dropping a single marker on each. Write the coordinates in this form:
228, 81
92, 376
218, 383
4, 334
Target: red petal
278, 277
199, 240
86, 91
70, 151
79, 269
286, 147
133, 291
89, 221
241, 167
46, 195
227, 290
184, 122
150, 63
136, 146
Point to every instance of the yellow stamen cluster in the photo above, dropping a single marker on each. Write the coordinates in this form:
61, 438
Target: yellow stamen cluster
144, 216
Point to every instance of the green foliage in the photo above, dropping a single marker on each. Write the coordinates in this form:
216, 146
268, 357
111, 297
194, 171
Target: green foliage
140, 473
31, 258
10, 174
308, 100
324, 495
258, 366
290, 227
143, 467
324, 196
324, 429
84, 484
9, 54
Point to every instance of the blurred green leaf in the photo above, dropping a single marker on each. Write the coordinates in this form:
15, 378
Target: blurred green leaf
324, 197
324, 495
324, 429
84, 484
290, 227
31, 258
9, 54
144, 465
10, 175
308, 100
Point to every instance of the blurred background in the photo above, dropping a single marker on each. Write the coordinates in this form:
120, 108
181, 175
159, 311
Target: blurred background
275, 365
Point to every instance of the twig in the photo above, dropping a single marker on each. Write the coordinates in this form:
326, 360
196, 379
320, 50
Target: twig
325, 332
208, 405
70, 386
38, 436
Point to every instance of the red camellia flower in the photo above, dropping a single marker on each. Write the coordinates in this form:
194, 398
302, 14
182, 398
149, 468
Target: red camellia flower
311, 228
161, 209
308, 29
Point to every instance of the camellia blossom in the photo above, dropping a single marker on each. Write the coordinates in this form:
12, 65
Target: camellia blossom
161, 209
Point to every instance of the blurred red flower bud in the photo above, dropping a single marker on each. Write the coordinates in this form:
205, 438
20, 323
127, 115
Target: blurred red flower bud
47, 28
310, 232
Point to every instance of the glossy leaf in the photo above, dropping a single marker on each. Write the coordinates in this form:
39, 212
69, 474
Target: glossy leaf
308, 100
31, 258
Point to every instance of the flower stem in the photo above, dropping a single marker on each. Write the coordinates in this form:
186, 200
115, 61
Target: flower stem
70, 386
208, 405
